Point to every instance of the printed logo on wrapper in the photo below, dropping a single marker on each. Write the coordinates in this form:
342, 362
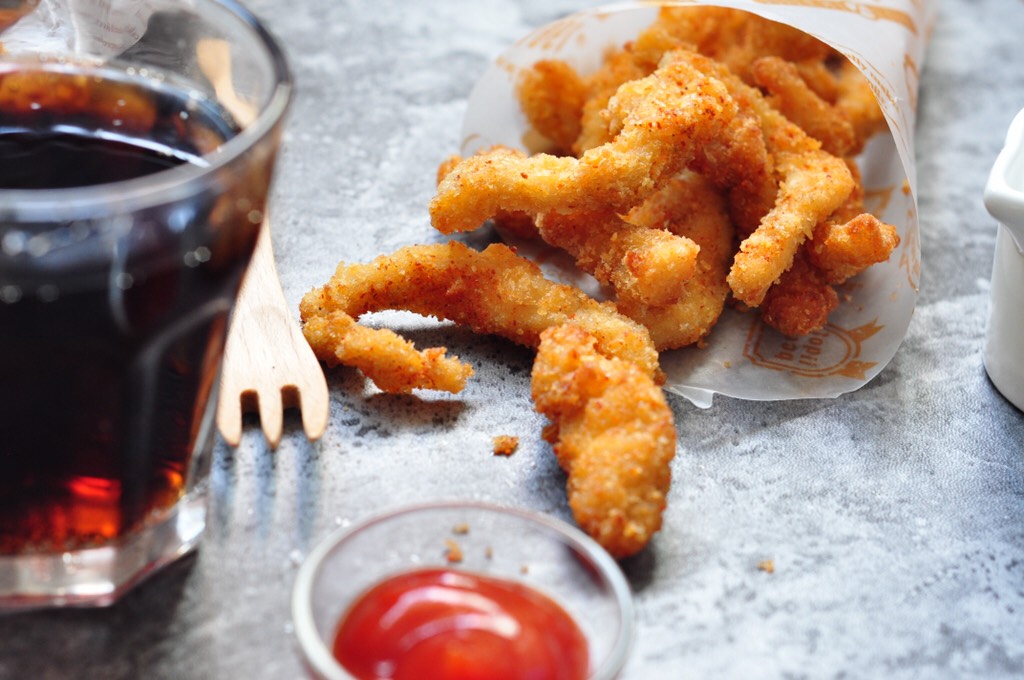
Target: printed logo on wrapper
832, 351
742, 357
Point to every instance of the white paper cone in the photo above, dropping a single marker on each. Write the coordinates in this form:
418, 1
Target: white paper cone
742, 357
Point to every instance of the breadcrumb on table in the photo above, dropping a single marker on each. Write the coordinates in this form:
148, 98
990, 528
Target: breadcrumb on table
453, 552
505, 445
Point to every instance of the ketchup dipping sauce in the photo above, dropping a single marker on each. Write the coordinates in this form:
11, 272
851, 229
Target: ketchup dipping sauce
443, 624
461, 590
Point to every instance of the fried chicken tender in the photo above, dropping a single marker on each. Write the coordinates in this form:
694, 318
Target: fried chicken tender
518, 223
390, 361
739, 162
794, 111
814, 186
842, 246
821, 76
844, 250
801, 300
552, 96
851, 240
659, 122
792, 96
639, 263
491, 291
612, 432
857, 101
733, 37
690, 207
811, 185
619, 67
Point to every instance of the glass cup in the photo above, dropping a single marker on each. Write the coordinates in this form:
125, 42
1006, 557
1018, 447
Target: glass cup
139, 139
534, 550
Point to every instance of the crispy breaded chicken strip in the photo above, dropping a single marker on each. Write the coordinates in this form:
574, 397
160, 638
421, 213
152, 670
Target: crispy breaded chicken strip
731, 36
613, 433
390, 361
800, 302
739, 162
746, 158
858, 101
690, 207
659, 122
792, 96
518, 223
851, 240
844, 250
491, 291
640, 263
842, 246
620, 66
551, 95
814, 185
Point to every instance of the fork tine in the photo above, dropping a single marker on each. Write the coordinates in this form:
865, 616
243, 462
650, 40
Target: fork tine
229, 410
314, 397
271, 418
314, 416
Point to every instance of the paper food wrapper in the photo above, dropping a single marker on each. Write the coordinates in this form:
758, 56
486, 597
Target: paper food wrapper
742, 357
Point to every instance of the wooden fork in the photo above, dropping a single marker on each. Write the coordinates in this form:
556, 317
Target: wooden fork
268, 365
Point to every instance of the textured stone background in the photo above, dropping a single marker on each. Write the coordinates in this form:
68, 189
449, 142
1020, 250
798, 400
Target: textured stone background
894, 515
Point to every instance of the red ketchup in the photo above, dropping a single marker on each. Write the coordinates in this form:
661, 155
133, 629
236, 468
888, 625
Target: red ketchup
442, 624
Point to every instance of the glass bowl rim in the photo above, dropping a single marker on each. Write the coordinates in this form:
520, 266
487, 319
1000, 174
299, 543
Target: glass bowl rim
322, 662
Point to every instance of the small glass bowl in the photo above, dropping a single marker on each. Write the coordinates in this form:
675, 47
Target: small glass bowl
538, 551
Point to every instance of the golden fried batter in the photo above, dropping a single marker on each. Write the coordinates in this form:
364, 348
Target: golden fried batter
730, 36
659, 122
690, 207
612, 432
792, 96
640, 263
801, 300
390, 361
851, 240
844, 250
491, 291
815, 184
857, 101
619, 67
518, 223
552, 95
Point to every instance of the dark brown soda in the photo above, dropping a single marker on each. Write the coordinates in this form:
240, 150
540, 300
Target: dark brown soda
109, 335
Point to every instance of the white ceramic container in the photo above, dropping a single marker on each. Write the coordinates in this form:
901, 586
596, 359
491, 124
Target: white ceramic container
1004, 199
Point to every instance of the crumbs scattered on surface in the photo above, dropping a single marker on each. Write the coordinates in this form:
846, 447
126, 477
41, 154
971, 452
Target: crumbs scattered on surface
727, 364
524, 569
461, 529
454, 551
489, 552
906, 187
767, 566
505, 445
